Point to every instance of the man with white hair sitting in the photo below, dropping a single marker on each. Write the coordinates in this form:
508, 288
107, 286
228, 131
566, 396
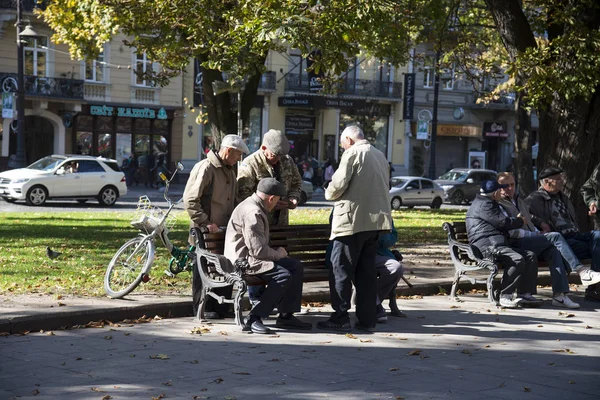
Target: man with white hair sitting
488, 229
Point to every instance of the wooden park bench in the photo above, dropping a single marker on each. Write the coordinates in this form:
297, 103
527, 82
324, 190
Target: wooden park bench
307, 243
467, 258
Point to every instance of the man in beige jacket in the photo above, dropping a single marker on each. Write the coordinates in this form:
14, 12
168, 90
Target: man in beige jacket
209, 199
247, 236
362, 210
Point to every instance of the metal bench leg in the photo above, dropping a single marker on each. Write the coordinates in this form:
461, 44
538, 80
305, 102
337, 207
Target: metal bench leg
202, 304
492, 297
237, 304
457, 275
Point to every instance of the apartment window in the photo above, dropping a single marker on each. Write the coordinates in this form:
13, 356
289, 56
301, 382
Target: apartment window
94, 69
143, 66
447, 78
298, 76
36, 55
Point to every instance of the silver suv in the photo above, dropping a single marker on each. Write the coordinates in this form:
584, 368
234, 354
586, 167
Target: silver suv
462, 184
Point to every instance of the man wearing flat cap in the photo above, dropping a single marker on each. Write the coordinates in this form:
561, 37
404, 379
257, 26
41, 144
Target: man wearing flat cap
247, 236
488, 230
271, 161
209, 199
553, 207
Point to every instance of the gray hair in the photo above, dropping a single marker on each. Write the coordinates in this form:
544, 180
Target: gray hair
353, 132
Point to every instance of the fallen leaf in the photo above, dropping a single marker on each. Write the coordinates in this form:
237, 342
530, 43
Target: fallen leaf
399, 398
35, 392
126, 333
160, 396
415, 352
465, 351
168, 383
108, 337
61, 304
571, 382
274, 359
218, 380
366, 340
540, 326
454, 306
107, 397
394, 369
487, 346
223, 333
159, 357
200, 330
308, 351
526, 389
402, 338
95, 389
194, 362
502, 384
242, 373
50, 333
350, 336
588, 327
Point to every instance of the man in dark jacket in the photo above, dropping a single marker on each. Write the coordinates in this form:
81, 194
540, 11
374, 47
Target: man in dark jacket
591, 195
487, 229
554, 208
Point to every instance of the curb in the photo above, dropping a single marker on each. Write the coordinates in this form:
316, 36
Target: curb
183, 308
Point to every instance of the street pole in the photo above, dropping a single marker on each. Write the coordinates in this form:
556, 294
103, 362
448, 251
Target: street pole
19, 160
434, 119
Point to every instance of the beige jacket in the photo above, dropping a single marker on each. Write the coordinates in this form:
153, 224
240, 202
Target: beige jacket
360, 188
247, 236
209, 195
255, 167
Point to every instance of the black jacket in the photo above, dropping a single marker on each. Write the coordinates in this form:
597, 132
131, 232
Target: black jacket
487, 225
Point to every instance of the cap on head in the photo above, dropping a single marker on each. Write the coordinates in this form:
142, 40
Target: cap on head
235, 142
276, 141
548, 172
272, 186
488, 187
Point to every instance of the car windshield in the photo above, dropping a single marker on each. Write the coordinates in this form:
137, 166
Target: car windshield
454, 176
46, 163
398, 181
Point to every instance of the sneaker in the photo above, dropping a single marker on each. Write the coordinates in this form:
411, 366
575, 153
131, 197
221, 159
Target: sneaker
588, 277
330, 325
364, 328
291, 322
255, 325
562, 300
506, 301
527, 300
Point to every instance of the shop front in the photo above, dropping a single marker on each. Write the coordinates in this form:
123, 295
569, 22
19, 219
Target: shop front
115, 131
495, 135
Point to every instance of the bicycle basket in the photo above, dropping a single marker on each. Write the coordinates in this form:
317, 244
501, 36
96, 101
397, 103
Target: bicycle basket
147, 216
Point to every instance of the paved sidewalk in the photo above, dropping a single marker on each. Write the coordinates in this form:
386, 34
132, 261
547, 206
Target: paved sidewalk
441, 350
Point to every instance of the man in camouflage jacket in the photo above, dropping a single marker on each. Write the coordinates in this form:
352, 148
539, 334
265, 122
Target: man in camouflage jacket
271, 161
591, 195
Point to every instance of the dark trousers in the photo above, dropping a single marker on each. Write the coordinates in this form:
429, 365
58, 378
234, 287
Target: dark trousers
353, 261
586, 245
547, 251
212, 304
284, 288
520, 268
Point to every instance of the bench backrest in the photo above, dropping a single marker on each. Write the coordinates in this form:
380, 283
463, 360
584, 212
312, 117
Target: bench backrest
307, 243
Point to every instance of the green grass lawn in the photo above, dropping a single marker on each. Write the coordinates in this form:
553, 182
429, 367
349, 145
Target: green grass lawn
88, 240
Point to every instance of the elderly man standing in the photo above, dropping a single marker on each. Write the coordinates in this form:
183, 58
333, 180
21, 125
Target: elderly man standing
487, 230
554, 208
209, 199
361, 211
550, 246
248, 237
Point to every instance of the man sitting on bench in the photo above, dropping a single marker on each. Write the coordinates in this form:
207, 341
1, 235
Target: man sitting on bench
247, 236
487, 229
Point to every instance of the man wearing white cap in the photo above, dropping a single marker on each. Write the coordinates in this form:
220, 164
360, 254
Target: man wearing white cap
209, 199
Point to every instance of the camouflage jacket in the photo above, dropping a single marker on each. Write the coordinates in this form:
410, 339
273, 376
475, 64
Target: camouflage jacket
255, 167
591, 188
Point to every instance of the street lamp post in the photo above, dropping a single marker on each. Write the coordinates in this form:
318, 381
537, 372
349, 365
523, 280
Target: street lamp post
434, 120
20, 159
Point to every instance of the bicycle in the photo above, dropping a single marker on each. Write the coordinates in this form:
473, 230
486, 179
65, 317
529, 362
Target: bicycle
131, 264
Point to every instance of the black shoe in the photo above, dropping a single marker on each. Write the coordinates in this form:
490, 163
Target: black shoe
330, 325
255, 325
365, 328
212, 315
397, 313
592, 295
292, 322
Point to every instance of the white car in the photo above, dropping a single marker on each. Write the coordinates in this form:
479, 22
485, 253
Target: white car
65, 177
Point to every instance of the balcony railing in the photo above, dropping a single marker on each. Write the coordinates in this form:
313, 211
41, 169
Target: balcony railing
42, 86
349, 87
268, 82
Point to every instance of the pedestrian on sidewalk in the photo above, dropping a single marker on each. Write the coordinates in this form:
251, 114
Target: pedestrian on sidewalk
209, 199
361, 211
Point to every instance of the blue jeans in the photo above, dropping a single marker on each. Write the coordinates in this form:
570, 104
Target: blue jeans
586, 245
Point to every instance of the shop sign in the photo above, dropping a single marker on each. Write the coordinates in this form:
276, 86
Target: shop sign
458, 130
358, 106
422, 130
300, 122
408, 104
8, 105
295, 101
128, 112
495, 129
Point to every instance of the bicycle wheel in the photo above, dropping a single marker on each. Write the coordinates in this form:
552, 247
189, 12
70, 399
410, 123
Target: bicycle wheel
126, 269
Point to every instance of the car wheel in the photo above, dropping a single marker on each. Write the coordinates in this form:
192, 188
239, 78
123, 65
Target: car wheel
303, 198
36, 196
82, 201
9, 199
458, 197
396, 203
437, 203
108, 196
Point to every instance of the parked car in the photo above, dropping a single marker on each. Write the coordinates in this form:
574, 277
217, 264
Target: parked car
462, 184
413, 191
306, 192
65, 177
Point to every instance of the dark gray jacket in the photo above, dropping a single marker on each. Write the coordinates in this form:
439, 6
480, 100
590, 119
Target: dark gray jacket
487, 225
591, 188
540, 205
